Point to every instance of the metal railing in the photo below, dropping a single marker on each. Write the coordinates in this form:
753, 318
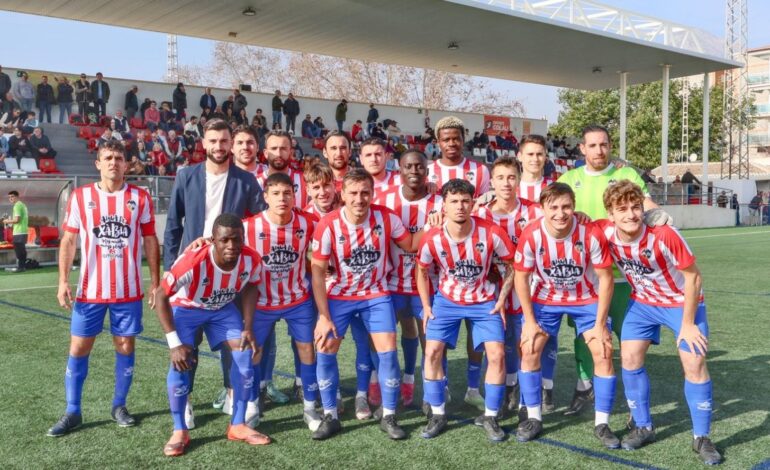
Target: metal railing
761, 79
680, 194
750, 215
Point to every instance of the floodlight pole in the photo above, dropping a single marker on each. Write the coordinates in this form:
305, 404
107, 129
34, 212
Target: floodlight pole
664, 126
706, 111
623, 89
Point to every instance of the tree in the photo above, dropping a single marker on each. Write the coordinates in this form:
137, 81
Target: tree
333, 78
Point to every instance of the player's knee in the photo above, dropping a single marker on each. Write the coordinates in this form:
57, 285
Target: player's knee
496, 356
81, 346
433, 353
123, 344
631, 360
305, 351
695, 369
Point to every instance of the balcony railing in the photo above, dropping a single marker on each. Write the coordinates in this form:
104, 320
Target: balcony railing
761, 79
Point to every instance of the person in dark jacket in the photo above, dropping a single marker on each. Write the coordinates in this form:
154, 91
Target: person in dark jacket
5, 83
145, 105
277, 107
208, 101
64, 97
18, 146
291, 111
179, 101
100, 94
371, 118
341, 114
132, 102
239, 102
82, 94
41, 146
45, 99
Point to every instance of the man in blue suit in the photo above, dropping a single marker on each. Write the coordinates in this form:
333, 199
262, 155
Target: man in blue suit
202, 192
208, 101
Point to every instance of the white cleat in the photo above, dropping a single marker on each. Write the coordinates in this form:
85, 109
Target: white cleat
189, 415
227, 408
252, 414
313, 419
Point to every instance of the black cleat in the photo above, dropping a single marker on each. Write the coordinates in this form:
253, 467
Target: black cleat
490, 425
608, 438
529, 429
297, 393
426, 409
512, 397
121, 416
436, 424
377, 415
329, 427
579, 401
637, 438
389, 426
706, 451
547, 400
261, 402
523, 414
68, 422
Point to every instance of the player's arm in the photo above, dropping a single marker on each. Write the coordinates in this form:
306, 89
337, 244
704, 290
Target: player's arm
423, 288
12, 220
324, 325
248, 303
180, 353
66, 257
411, 242
152, 253
690, 333
508, 279
600, 332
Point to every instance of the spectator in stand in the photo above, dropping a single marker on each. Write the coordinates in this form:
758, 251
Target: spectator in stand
167, 117
107, 135
227, 104
142, 154
18, 146
297, 152
239, 102
371, 118
319, 124
341, 114
30, 123
144, 107
41, 145
82, 95
259, 125
549, 169
428, 134
174, 147
2, 162
24, 92
12, 120
357, 131
119, 124
7, 105
291, 111
158, 160
131, 104
277, 107
722, 199
208, 100
379, 132
561, 150
242, 118
191, 128
647, 177
431, 150
152, 116
230, 118
490, 154
309, 129
394, 132
64, 98
3, 148
135, 167
483, 139
693, 183
5, 83
179, 101
501, 142
45, 99
100, 94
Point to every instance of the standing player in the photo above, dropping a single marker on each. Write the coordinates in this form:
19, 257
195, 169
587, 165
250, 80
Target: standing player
202, 286
373, 160
281, 237
278, 151
324, 198
532, 155
568, 267
463, 248
666, 291
113, 220
413, 202
356, 238
337, 153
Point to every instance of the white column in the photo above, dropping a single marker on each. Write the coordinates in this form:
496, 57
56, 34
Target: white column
664, 126
623, 89
706, 111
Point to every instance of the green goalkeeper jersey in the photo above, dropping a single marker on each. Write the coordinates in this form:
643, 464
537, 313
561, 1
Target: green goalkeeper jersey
589, 187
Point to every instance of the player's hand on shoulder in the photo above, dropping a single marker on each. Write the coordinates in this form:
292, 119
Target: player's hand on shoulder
197, 243
582, 217
657, 217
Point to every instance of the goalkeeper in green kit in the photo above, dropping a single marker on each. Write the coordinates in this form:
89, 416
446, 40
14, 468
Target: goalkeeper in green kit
589, 182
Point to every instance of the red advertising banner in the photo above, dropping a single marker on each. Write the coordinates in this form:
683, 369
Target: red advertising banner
493, 125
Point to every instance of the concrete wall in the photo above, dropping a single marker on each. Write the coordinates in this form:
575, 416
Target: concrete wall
700, 216
410, 120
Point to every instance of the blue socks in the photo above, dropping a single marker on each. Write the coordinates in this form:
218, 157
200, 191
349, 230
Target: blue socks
604, 390
530, 383
178, 386
699, 400
389, 375
493, 396
242, 378
269, 352
124, 375
636, 384
328, 380
364, 364
474, 374
309, 382
74, 377
297, 362
410, 346
445, 366
433, 392
548, 357
256, 373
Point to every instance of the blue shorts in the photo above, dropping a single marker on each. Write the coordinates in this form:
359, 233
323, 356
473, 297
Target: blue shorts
219, 325
445, 327
584, 316
88, 318
300, 318
643, 322
376, 314
407, 305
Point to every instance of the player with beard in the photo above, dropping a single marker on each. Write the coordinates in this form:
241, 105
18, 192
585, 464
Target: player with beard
463, 248
414, 203
356, 240
337, 153
278, 153
564, 267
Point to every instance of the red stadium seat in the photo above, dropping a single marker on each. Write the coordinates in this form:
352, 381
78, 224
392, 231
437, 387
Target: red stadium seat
137, 123
318, 143
92, 145
49, 236
84, 132
77, 120
410, 139
48, 165
105, 121
8, 235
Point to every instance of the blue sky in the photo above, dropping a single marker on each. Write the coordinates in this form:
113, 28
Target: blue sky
142, 55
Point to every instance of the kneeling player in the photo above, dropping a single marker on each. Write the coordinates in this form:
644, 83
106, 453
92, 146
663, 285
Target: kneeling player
570, 268
201, 286
666, 290
463, 249
281, 237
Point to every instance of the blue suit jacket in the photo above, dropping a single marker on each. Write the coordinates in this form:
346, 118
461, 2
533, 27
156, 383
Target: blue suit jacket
187, 209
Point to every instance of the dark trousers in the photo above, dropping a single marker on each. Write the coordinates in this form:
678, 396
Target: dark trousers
45, 111
20, 248
101, 107
291, 120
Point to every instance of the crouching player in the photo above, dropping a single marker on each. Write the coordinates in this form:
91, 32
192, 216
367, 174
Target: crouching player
281, 237
201, 286
666, 290
570, 268
463, 249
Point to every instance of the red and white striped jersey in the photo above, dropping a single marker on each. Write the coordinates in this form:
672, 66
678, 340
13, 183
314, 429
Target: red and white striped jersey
358, 253
414, 215
464, 266
513, 223
111, 227
475, 172
392, 179
652, 264
531, 191
195, 280
300, 187
283, 249
563, 269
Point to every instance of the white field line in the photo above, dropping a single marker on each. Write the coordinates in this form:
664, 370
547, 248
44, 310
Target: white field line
734, 234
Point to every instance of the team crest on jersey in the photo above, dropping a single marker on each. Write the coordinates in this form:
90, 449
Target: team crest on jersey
579, 246
281, 258
517, 257
433, 177
563, 269
521, 222
578, 184
647, 253
243, 276
413, 229
362, 259
466, 271
219, 298
377, 229
611, 181
131, 204
296, 188
432, 211
479, 247
300, 233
